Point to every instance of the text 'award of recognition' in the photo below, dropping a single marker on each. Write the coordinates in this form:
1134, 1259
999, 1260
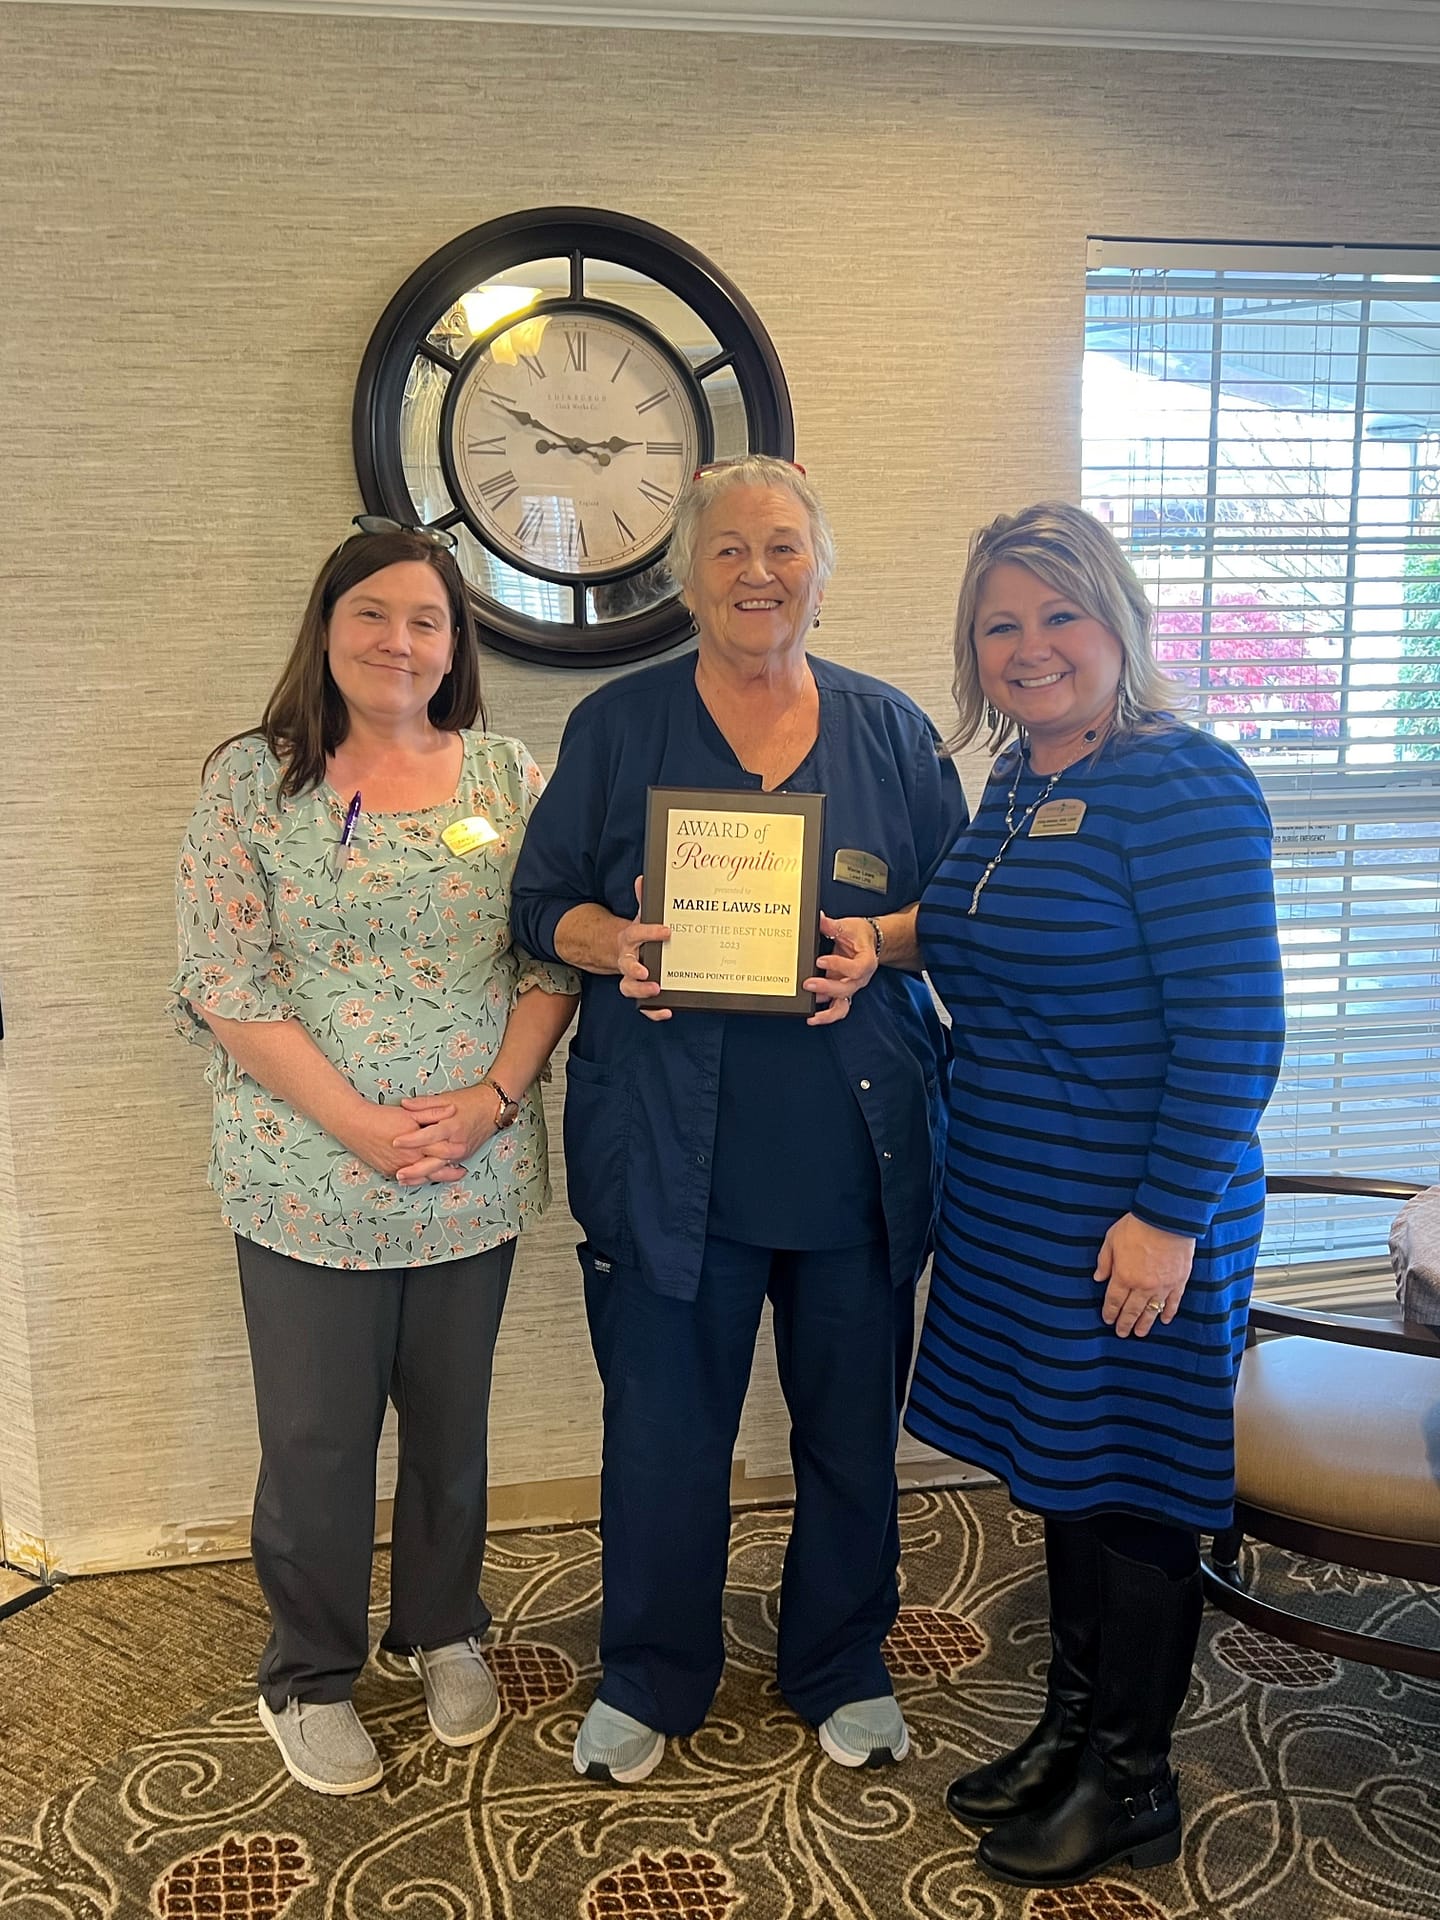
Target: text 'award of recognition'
736, 879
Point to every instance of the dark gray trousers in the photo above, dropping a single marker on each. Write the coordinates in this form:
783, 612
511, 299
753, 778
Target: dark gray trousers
328, 1347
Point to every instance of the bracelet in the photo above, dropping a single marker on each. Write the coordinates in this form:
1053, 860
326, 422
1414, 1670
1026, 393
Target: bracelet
874, 926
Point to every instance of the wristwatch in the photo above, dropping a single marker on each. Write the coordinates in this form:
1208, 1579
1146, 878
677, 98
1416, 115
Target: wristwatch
509, 1109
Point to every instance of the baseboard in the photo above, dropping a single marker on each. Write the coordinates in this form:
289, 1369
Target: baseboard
18, 1591
531, 1503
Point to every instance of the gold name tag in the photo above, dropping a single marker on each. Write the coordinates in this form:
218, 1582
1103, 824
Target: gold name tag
1057, 818
464, 836
858, 869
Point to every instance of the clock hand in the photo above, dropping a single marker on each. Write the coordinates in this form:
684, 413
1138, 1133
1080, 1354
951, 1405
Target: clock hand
515, 413
600, 458
529, 420
614, 444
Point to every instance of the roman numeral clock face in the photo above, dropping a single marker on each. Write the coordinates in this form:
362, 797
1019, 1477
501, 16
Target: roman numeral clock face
541, 390
568, 436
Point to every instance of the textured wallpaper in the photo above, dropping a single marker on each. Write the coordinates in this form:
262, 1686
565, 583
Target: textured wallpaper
202, 216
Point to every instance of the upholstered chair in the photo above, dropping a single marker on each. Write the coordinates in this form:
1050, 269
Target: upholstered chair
1337, 1434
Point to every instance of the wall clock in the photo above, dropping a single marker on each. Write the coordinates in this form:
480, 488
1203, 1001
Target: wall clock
544, 387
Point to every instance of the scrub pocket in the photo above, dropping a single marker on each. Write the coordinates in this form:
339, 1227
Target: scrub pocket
597, 1144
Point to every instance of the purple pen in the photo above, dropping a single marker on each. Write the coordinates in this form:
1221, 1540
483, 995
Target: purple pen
352, 814
342, 851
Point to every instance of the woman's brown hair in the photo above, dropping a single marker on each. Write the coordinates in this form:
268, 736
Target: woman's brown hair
305, 718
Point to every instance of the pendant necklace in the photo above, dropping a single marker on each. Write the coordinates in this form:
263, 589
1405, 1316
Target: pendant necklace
1014, 827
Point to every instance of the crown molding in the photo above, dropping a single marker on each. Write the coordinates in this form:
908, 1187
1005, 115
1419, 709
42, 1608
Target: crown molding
1403, 30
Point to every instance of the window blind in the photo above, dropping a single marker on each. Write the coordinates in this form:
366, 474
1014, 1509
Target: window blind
1262, 431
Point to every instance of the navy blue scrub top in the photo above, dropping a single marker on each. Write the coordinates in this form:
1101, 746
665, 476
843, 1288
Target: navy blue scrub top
793, 1165
645, 1099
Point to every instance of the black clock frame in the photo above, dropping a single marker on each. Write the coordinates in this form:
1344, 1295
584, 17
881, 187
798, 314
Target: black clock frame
464, 368
577, 234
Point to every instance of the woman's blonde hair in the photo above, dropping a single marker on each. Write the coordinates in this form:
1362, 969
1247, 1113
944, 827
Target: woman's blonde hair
750, 470
1071, 551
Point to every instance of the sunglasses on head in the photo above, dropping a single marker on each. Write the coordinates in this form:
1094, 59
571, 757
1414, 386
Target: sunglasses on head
378, 523
719, 466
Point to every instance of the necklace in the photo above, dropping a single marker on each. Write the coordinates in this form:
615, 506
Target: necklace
1014, 827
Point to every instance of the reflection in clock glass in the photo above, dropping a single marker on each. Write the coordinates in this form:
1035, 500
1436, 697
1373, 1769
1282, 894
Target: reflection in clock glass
571, 437
501, 297
633, 593
521, 592
431, 501
420, 440
727, 414
636, 292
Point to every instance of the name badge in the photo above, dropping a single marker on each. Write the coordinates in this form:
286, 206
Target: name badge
1056, 819
858, 869
464, 836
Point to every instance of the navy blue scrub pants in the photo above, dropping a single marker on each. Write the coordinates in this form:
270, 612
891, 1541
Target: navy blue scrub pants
675, 1374
328, 1347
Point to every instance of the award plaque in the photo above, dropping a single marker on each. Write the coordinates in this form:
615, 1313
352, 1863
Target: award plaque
736, 878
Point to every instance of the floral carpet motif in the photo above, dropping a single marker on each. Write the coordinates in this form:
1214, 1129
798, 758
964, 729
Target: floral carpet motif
1311, 1787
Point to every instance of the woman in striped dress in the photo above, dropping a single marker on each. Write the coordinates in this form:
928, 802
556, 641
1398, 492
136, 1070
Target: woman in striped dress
1103, 935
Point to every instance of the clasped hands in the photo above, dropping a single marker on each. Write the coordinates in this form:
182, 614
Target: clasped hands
1144, 1271
849, 966
427, 1137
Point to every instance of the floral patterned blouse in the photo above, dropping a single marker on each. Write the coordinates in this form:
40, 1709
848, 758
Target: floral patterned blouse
394, 953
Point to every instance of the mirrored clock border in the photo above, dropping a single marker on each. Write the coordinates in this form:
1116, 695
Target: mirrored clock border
560, 255
507, 296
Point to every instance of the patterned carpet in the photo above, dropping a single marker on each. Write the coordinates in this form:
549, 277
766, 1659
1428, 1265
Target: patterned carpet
1312, 1789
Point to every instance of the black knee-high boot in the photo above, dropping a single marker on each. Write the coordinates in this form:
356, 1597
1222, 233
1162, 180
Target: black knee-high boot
1124, 1804
1044, 1763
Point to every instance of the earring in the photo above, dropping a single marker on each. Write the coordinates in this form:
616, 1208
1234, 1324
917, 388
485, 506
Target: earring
992, 717
816, 621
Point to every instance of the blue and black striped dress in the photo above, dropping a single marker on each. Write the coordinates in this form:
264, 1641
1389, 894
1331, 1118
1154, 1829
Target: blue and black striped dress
1118, 1025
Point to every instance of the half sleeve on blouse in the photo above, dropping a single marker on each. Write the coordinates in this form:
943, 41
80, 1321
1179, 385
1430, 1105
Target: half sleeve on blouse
548, 975
222, 899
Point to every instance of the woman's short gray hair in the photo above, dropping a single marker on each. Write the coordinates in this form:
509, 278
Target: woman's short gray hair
750, 470
1071, 551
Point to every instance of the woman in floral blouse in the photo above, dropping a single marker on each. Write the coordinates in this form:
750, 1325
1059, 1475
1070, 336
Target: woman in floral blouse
375, 1046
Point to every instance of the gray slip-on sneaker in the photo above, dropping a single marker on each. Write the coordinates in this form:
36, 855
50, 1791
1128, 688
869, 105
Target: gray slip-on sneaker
866, 1733
323, 1745
461, 1700
613, 1746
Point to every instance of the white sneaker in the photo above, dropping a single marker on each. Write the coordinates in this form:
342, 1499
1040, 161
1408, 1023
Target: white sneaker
866, 1733
612, 1746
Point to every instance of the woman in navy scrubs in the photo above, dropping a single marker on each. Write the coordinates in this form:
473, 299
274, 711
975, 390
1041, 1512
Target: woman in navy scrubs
715, 1159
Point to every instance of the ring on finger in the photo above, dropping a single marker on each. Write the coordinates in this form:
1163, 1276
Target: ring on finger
1154, 1306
